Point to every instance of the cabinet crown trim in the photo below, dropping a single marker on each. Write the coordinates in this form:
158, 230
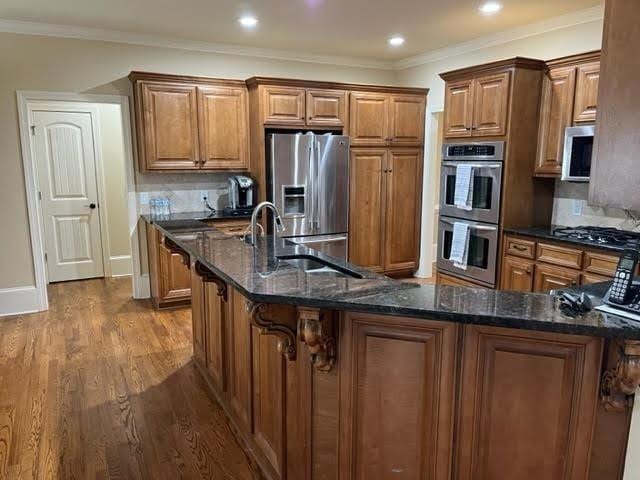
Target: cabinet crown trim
574, 60
290, 82
494, 67
137, 76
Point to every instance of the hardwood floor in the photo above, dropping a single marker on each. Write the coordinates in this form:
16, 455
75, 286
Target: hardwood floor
102, 386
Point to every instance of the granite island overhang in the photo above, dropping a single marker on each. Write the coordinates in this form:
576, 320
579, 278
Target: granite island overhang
350, 374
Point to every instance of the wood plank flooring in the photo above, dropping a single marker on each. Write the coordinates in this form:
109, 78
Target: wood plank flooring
102, 386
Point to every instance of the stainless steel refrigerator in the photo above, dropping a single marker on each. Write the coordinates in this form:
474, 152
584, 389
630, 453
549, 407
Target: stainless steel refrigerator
308, 180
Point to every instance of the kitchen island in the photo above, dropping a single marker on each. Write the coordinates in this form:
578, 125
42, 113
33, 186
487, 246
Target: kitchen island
344, 373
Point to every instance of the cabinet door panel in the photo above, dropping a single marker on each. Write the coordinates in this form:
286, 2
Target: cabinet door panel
175, 277
407, 119
369, 124
366, 207
216, 316
284, 105
198, 312
326, 108
269, 399
556, 111
170, 127
224, 123
239, 341
517, 274
527, 404
458, 109
399, 385
586, 104
549, 278
404, 198
491, 105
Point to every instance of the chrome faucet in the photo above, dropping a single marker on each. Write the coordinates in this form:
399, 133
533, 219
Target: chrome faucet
254, 219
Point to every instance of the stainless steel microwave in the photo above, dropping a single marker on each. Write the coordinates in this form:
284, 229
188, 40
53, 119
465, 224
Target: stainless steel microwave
578, 150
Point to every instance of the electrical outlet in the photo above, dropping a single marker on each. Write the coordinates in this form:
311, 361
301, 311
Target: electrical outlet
144, 198
577, 207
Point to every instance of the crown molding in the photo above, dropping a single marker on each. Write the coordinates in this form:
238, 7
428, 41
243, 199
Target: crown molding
564, 21
115, 36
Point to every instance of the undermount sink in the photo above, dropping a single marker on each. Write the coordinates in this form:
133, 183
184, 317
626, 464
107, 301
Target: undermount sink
315, 265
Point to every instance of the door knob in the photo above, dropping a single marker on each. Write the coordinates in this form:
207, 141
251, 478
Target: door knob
92, 206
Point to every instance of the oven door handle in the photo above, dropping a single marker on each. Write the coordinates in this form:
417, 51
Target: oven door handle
472, 165
474, 227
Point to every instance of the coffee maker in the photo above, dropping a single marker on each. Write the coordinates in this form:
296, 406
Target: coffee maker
242, 196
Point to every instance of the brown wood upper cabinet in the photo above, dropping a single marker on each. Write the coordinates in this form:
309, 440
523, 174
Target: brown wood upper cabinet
191, 123
168, 127
326, 107
477, 107
224, 136
569, 97
298, 106
382, 119
385, 197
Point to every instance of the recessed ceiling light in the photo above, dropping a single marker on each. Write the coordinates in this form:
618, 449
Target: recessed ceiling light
490, 7
248, 21
396, 41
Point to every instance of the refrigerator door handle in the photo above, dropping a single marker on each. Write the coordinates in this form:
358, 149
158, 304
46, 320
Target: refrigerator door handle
316, 199
312, 189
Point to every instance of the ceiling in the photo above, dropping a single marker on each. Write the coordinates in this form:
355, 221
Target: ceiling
353, 28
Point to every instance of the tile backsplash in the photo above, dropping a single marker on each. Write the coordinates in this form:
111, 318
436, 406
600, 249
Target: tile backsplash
570, 208
184, 190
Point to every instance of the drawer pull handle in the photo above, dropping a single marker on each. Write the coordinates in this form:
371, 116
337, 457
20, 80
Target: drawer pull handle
520, 248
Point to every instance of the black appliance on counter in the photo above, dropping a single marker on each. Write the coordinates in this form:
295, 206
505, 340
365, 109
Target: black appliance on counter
242, 196
598, 236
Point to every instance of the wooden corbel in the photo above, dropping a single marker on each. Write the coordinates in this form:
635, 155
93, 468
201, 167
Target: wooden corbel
174, 248
210, 277
317, 333
620, 382
286, 335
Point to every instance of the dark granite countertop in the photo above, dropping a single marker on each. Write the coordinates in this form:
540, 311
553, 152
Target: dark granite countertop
193, 216
263, 277
546, 232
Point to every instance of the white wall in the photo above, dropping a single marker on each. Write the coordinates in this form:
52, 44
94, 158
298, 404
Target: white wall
81, 66
545, 46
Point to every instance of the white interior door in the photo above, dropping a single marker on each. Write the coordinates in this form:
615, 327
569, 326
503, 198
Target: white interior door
66, 165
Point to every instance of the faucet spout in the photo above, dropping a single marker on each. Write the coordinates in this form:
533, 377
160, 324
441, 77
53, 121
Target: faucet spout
254, 219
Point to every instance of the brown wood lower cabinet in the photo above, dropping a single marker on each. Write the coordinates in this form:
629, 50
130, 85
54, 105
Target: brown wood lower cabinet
527, 405
169, 277
408, 399
397, 397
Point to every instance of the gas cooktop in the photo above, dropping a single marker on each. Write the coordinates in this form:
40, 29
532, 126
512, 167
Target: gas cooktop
598, 235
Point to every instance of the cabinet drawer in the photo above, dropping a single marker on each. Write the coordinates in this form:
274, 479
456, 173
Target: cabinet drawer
600, 263
549, 278
230, 227
520, 247
442, 279
589, 278
563, 256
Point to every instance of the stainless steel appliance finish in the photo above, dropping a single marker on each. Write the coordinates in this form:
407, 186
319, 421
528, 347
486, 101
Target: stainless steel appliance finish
483, 251
308, 177
484, 151
578, 150
241, 192
487, 183
486, 160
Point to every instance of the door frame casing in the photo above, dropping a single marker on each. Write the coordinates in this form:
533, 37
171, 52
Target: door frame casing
77, 102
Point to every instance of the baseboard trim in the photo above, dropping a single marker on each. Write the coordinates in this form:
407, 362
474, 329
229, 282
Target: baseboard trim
19, 301
121, 265
142, 286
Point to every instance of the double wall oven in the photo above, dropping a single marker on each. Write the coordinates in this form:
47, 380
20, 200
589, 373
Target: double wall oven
481, 214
